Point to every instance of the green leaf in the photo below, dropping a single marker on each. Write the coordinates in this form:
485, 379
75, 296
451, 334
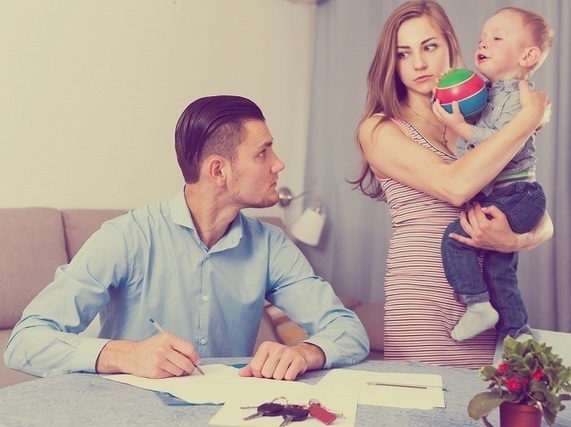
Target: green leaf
487, 372
482, 403
549, 415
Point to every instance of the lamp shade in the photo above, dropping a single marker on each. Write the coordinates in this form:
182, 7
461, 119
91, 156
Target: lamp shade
309, 226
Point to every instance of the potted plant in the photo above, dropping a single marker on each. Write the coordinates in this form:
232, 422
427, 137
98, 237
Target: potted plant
529, 374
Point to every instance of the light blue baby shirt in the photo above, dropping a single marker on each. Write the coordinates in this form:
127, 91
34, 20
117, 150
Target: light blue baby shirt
502, 106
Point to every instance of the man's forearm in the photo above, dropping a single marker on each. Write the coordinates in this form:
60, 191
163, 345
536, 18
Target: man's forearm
112, 358
313, 355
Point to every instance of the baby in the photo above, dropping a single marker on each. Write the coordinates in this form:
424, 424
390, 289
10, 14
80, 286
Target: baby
513, 44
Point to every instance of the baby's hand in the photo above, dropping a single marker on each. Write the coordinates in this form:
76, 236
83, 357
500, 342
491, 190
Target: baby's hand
454, 120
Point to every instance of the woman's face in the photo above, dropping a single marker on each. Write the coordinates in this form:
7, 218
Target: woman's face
422, 55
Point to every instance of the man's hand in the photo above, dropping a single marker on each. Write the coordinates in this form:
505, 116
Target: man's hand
161, 356
488, 228
280, 362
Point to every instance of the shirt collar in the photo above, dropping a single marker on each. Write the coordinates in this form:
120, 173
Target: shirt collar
181, 215
179, 211
508, 85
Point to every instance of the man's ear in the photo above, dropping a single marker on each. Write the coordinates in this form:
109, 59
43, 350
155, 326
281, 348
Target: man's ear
530, 57
216, 168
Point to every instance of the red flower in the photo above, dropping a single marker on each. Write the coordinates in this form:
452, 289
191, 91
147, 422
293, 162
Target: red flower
513, 384
538, 374
503, 367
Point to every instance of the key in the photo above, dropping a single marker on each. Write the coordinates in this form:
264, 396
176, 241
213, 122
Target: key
269, 409
292, 413
318, 411
271, 401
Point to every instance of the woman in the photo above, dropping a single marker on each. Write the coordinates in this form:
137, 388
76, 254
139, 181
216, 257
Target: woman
409, 161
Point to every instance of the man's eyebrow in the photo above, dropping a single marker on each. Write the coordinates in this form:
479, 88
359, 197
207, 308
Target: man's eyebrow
423, 42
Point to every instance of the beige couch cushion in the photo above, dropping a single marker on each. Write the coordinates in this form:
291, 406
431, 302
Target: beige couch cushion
80, 224
31, 248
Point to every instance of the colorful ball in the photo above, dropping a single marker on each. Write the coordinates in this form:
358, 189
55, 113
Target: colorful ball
464, 86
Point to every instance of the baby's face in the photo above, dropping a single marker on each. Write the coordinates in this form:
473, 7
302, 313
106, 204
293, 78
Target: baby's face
502, 44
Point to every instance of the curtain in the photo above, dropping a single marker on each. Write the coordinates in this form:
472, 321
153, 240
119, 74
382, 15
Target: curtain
353, 249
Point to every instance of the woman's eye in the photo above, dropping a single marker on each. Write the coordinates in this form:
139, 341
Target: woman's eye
430, 47
402, 55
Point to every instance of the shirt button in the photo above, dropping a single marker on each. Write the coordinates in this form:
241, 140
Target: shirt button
203, 341
205, 298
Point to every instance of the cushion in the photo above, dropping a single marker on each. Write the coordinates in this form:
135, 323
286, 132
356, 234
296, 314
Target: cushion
80, 224
31, 248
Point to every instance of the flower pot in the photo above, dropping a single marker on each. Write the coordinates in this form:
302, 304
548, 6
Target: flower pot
519, 415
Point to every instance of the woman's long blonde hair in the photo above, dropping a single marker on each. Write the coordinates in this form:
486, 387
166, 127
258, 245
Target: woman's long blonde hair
386, 91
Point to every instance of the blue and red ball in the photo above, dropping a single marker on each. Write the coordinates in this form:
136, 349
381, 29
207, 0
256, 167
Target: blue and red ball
464, 86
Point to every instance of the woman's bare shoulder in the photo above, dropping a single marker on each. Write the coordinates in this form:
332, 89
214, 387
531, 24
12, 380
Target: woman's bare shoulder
376, 126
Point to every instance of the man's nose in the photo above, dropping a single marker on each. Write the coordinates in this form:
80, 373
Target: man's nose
278, 165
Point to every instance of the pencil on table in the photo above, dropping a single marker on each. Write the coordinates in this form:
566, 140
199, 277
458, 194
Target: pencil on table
405, 385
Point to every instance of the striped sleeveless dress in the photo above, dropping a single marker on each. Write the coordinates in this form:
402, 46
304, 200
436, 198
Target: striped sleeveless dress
420, 309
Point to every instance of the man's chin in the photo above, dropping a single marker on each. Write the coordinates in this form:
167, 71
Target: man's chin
266, 203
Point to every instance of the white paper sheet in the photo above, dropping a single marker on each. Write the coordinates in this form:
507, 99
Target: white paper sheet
231, 413
220, 383
356, 382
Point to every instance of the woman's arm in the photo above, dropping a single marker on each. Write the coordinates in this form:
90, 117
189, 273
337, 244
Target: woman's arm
391, 153
495, 233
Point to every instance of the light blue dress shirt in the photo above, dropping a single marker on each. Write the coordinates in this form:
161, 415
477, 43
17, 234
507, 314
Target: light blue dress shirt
152, 263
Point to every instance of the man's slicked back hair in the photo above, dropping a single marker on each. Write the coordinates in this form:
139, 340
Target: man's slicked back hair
211, 125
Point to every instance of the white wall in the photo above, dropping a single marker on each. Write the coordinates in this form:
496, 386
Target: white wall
90, 91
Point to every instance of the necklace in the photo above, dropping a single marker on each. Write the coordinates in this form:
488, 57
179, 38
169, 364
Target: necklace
443, 139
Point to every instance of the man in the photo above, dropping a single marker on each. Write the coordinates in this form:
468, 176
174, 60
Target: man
198, 266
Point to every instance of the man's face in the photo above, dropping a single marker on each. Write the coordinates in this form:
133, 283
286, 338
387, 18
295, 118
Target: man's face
255, 169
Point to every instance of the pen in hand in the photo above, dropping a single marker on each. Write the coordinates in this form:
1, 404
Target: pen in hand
160, 329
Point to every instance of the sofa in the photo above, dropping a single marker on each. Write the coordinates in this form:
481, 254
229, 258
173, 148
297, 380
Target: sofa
35, 241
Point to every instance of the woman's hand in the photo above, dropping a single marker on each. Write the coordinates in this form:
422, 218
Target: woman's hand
488, 228
536, 102
546, 117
